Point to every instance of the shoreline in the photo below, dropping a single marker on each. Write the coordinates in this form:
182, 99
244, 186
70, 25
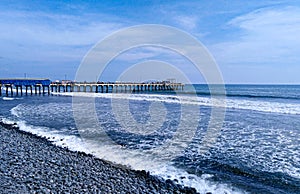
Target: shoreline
31, 164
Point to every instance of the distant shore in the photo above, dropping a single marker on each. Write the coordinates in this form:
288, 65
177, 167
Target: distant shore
30, 164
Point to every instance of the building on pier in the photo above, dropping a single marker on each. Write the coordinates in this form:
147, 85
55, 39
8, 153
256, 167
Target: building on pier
40, 86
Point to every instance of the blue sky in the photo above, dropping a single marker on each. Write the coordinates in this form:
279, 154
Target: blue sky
252, 41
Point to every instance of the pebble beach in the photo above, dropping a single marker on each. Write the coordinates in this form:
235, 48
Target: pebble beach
31, 164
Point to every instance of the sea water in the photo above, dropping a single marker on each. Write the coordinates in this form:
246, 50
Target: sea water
256, 149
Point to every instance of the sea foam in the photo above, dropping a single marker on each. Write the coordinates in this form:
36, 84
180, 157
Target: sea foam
130, 158
261, 106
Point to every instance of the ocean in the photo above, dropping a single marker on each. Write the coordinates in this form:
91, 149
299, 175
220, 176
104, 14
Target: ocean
255, 148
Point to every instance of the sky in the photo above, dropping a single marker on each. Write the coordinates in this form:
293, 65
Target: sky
251, 41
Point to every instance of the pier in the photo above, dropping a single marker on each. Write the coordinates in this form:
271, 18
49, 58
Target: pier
45, 86
102, 87
40, 86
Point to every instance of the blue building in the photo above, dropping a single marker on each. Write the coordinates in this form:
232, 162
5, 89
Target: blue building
25, 82
38, 84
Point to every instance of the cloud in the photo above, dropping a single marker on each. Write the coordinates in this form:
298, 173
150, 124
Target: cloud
265, 36
50, 38
54, 29
187, 22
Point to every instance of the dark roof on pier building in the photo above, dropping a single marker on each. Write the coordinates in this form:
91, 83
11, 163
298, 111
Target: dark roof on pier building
25, 82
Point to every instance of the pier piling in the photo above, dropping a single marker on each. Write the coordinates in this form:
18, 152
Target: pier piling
44, 86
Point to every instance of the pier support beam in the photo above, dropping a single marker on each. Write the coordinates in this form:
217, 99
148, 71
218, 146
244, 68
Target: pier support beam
11, 90
26, 90
70, 88
44, 89
35, 88
30, 89
17, 88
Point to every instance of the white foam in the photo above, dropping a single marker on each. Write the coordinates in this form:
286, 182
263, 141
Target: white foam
7, 98
10, 98
55, 136
138, 161
270, 150
131, 158
7, 121
201, 184
15, 111
262, 106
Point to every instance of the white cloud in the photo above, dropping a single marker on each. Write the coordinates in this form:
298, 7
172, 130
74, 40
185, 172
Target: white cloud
266, 36
44, 38
187, 22
54, 29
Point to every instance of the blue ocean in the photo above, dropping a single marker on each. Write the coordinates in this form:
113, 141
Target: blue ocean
255, 148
